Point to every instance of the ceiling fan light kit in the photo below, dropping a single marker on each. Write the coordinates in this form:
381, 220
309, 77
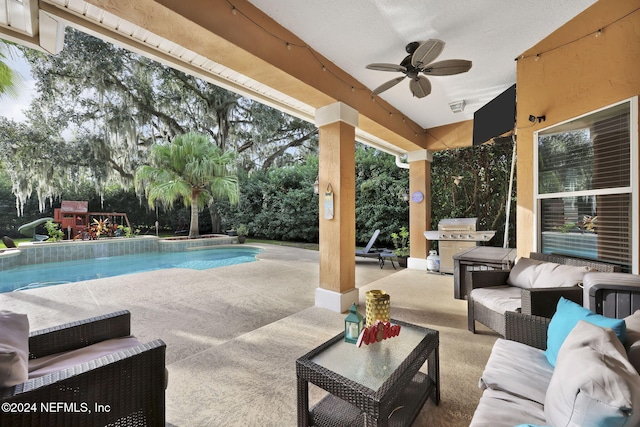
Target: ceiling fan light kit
420, 60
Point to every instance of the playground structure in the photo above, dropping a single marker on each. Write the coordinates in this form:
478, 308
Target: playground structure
78, 223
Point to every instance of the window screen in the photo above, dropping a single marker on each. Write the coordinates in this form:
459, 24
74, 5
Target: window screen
584, 187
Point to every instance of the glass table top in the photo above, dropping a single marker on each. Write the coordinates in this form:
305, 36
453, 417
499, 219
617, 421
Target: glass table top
371, 365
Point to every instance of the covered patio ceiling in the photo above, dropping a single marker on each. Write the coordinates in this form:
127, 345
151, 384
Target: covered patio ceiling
232, 43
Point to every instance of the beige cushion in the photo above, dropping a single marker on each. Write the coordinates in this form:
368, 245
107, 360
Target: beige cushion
517, 369
632, 344
59, 361
524, 273
498, 408
498, 298
593, 383
14, 348
530, 273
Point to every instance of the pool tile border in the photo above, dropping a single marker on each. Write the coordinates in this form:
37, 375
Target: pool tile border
43, 252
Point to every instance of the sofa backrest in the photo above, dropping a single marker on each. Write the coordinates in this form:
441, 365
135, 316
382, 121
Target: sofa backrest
551, 271
578, 262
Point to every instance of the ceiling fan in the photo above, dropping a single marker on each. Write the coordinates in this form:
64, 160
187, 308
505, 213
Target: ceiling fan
420, 60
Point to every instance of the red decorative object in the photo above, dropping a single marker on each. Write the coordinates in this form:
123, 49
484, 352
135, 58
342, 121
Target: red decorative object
377, 332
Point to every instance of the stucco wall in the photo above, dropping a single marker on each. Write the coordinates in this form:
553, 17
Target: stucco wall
572, 72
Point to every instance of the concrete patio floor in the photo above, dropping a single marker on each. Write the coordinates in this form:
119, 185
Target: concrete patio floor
233, 333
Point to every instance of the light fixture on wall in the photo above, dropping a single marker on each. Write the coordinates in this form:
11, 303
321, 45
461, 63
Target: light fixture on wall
457, 106
539, 119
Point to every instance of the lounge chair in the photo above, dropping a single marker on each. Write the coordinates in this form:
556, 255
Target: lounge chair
367, 252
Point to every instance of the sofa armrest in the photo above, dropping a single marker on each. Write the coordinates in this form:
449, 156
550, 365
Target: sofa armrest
526, 329
543, 301
612, 294
129, 384
486, 278
82, 333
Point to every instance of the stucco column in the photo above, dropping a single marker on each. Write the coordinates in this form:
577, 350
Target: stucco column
419, 207
336, 124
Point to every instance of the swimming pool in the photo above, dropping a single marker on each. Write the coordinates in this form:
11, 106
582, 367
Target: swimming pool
56, 273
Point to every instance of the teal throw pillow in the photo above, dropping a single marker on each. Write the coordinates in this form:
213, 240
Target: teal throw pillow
567, 315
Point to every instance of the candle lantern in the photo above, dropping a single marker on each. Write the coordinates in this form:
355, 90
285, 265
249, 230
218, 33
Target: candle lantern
353, 324
378, 307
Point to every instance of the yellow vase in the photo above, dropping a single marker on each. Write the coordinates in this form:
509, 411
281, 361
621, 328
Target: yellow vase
377, 307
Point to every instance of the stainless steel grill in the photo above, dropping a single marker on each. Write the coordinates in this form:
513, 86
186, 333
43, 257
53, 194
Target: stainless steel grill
455, 235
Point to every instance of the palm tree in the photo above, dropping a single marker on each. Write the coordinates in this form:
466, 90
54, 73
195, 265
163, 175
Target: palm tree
10, 81
190, 168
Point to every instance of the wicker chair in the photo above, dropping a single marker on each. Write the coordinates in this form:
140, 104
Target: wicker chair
532, 330
534, 301
612, 294
527, 329
130, 384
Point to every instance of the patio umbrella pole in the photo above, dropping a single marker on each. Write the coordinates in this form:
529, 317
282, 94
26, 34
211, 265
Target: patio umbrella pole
506, 225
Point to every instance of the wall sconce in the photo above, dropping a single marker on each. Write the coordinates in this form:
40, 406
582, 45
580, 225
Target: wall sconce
316, 187
539, 119
457, 106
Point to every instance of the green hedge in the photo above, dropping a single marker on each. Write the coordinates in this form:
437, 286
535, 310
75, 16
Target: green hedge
279, 203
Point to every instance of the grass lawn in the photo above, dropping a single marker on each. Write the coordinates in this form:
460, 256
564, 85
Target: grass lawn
312, 246
17, 241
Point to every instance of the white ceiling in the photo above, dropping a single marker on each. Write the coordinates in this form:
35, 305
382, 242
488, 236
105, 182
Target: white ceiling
354, 33
490, 33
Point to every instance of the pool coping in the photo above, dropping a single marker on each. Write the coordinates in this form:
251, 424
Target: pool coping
43, 252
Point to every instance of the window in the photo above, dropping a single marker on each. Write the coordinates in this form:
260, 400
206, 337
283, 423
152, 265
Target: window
585, 186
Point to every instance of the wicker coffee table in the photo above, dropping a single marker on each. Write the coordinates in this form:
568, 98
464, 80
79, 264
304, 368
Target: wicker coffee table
376, 385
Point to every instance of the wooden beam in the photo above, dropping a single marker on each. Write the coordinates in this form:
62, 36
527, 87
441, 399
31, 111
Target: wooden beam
244, 39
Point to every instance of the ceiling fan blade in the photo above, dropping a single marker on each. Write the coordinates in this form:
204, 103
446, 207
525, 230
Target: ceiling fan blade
427, 52
420, 87
447, 67
388, 85
387, 67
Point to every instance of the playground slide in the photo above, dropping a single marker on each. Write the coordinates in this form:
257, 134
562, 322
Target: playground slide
29, 229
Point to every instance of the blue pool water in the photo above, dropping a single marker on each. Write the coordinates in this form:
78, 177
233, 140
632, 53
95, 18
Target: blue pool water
56, 273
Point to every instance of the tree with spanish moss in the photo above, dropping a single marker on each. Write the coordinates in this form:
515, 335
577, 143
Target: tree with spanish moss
104, 107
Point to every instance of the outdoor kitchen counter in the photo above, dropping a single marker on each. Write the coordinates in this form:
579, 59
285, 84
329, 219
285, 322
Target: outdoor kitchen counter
455, 235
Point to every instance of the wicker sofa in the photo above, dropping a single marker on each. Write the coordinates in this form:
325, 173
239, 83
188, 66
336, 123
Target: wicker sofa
517, 380
533, 286
520, 387
86, 373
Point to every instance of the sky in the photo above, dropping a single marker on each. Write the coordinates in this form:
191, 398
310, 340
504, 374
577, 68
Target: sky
12, 108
